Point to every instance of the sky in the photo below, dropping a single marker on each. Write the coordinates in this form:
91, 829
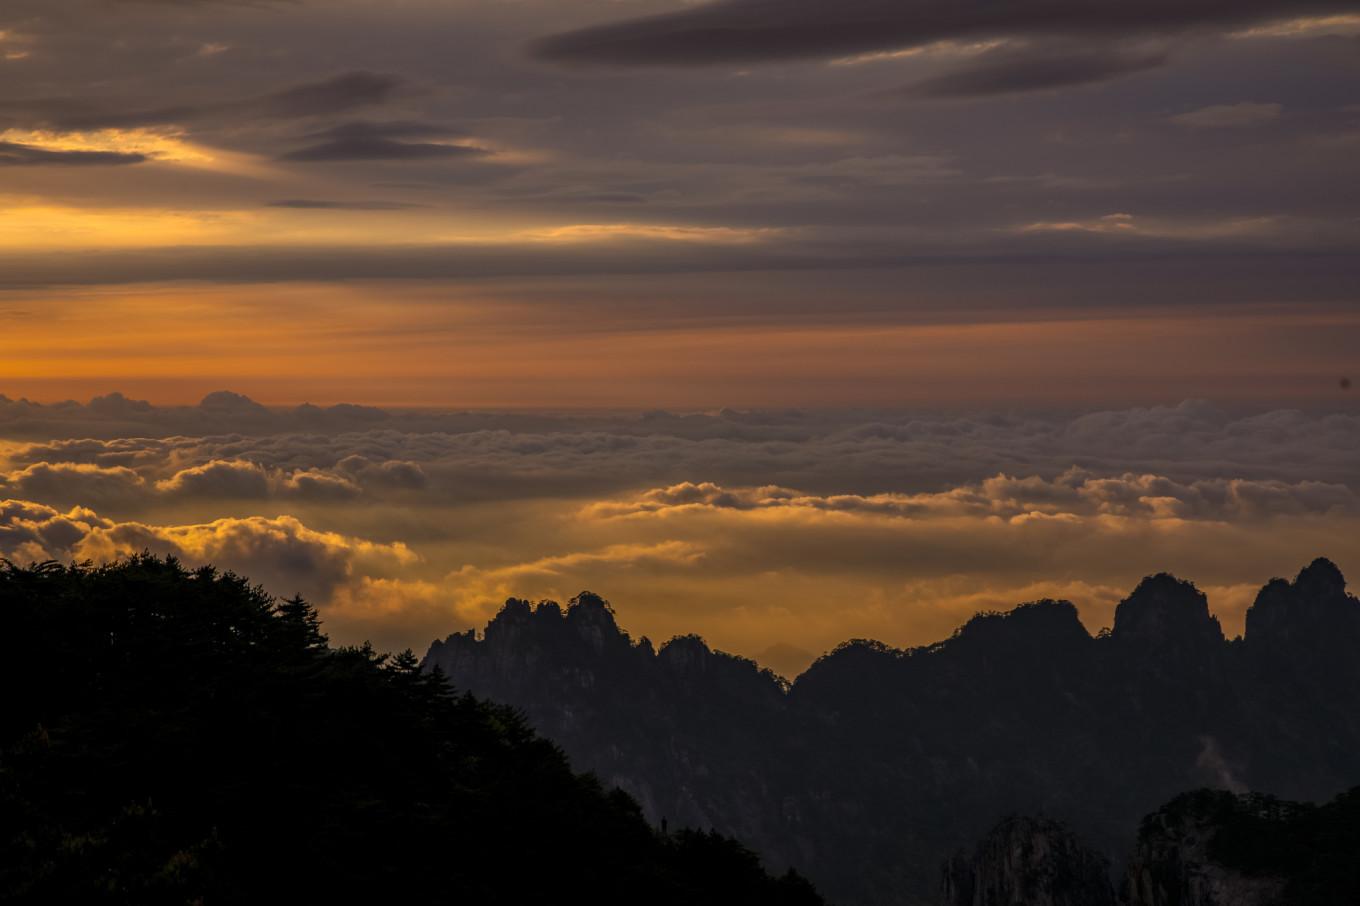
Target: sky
766, 319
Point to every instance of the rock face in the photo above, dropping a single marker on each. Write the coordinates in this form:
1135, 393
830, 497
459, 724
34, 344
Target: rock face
1204, 848
1212, 848
1172, 866
1028, 862
666, 726
877, 763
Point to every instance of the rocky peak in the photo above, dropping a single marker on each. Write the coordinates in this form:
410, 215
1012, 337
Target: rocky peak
549, 612
592, 619
1041, 624
843, 673
508, 625
1313, 610
1321, 578
685, 655
1028, 862
1167, 613
443, 654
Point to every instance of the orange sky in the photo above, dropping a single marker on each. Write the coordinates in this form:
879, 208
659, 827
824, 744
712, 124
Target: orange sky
393, 344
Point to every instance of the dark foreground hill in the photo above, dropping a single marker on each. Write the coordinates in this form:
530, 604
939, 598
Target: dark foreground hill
177, 737
878, 763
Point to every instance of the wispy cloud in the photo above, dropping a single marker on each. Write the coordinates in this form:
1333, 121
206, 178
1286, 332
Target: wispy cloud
1219, 116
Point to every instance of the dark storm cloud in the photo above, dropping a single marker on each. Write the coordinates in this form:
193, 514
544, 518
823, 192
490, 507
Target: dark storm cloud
17, 155
362, 141
1016, 74
738, 31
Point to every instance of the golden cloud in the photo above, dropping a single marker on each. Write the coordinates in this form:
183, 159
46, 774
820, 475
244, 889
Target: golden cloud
281, 552
167, 145
1125, 224
1073, 495
1303, 27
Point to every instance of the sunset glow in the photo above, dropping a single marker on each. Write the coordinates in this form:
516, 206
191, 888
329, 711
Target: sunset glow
843, 284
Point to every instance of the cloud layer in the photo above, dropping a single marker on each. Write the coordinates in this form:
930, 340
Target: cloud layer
437, 146
1074, 495
731, 31
262, 452
756, 528
282, 553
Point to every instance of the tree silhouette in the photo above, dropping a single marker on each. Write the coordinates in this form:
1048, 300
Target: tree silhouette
175, 736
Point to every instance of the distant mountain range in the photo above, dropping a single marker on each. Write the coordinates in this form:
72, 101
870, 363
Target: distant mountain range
876, 765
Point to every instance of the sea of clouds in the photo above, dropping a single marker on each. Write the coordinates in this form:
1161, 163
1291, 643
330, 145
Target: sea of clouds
754, 527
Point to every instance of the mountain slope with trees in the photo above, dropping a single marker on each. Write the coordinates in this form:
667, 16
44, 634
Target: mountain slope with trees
169, 736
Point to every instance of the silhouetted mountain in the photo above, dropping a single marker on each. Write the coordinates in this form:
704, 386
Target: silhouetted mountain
180, 737
877, 763
1168, 618
654, 722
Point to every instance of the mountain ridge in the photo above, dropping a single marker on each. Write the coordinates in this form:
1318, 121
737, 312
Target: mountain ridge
875, 761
